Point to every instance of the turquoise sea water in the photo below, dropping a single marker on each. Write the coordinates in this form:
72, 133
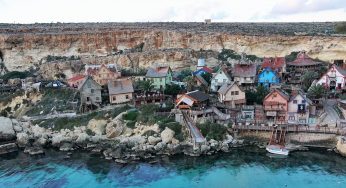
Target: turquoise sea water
246, 167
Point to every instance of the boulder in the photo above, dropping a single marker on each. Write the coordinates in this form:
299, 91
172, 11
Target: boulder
34, 150
97, 126
22, 139
153, 140
17, 126
8, 148
229, 139
341, 146
167, 135
213, 144
113, 130
6, 129
66, 147
82, 138
204, 148
58, 139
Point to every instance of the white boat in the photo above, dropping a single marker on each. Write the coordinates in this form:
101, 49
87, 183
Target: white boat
277, 149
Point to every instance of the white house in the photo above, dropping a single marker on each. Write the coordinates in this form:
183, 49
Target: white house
220, 78
299, 109
334, 79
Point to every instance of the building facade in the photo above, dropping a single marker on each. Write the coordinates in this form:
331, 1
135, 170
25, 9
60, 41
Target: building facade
275, 105
103, 73
220, 78
299, 109
90, 92
232, 95
277, 64
267, 77
120, 91
334, 79
160, 76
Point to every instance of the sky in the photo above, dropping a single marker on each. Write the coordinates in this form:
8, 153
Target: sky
47, 11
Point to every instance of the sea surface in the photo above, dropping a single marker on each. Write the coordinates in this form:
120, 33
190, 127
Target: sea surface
243, 167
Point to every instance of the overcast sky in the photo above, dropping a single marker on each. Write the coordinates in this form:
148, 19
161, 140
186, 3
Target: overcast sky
31, 11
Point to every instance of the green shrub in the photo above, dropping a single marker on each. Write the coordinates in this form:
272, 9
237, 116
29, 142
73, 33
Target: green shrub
16, 74
340, 27
212, 130
132, 116
131, 124
147, 113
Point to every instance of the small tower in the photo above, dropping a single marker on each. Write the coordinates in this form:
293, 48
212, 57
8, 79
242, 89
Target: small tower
200, 63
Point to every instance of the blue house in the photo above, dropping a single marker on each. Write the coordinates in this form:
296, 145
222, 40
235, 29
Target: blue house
268, 77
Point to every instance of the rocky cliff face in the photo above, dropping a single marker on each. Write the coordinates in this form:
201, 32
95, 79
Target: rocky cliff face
24, 46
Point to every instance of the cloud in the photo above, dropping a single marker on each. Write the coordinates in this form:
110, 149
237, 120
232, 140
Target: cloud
31, 11
287, 7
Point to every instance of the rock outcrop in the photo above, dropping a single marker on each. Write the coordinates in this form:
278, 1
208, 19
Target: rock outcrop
6, 129
24, 46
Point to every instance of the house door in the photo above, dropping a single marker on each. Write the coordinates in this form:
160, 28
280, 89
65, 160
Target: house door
88, 99
332, 85
339, 86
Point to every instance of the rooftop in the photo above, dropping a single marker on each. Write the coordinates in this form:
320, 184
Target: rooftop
120, 86
157, 72
304, 60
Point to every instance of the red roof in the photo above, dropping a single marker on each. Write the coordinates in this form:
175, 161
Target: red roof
273, 62
248, 70
75, 78
207, 69
303, 60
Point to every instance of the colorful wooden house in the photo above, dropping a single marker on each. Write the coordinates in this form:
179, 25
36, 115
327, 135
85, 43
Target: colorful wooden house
160, 76
299, 108
75, 81
220, 78
277, 64
120, 91
245, 74
275, 105
103, 73
90, 93
302, 64
232, 95
334, 79
267, 77
196, 100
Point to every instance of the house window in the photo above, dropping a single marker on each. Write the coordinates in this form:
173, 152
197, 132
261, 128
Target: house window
291, 117
114, 98
236, 93
232, 92
88, 99
92, 90
295, 101
127, 96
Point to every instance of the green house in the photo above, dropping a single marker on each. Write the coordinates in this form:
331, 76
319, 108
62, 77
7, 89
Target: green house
160, 76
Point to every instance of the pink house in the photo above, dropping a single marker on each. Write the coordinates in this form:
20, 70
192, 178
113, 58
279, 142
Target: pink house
276, 106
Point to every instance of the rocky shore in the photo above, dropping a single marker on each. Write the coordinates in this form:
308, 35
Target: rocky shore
110, 138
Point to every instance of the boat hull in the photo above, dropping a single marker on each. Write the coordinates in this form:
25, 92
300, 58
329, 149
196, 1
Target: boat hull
278, 150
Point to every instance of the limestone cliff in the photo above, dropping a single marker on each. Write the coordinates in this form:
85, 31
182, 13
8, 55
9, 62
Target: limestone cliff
24, 46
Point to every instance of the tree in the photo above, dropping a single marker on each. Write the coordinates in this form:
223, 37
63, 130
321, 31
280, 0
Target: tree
227, 53
184, 73
146, 85
291, 57
190, 83
207, 77
308, 78
317, 92
256, 96
172, 89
